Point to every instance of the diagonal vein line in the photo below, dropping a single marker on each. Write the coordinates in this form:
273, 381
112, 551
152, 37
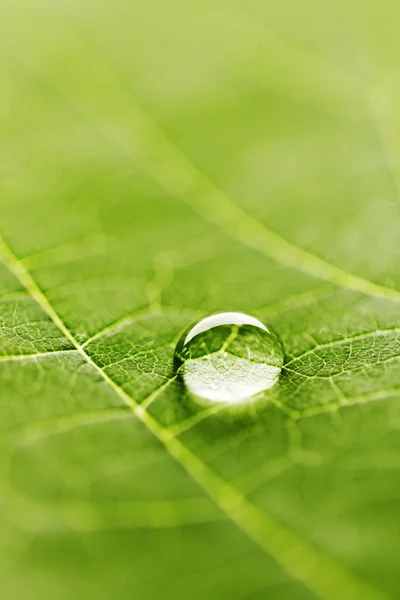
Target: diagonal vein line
144, 405
52, 427
119, 324
380, 333
178, 174
290, 302
131, 317
327, 579
343, 371
31, 514
357, 400
181, 177
219, 210
295, 414
35, 356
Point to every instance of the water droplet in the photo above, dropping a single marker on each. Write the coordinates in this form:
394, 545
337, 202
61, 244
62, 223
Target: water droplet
229, 357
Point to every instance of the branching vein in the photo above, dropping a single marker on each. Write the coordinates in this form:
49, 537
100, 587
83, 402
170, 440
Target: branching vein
323, 576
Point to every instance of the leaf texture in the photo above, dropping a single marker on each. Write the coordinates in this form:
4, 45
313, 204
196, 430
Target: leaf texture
161, 161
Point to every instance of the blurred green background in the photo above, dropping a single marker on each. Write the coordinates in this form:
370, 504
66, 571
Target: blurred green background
160, 161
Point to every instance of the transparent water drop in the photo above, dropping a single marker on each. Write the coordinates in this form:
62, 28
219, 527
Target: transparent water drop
229, 357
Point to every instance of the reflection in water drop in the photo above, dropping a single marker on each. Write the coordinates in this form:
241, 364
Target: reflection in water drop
229, 357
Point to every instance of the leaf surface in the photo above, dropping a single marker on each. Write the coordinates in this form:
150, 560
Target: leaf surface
160, 162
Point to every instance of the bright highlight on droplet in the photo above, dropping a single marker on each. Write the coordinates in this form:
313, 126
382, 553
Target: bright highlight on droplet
229, 357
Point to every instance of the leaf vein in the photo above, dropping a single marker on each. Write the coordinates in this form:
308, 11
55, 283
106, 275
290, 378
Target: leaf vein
319, 573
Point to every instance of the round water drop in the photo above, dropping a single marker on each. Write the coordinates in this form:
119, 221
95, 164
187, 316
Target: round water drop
229, 357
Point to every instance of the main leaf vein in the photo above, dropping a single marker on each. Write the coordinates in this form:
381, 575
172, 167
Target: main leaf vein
324, 577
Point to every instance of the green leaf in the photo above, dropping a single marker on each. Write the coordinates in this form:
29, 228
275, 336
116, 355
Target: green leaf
161, 161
